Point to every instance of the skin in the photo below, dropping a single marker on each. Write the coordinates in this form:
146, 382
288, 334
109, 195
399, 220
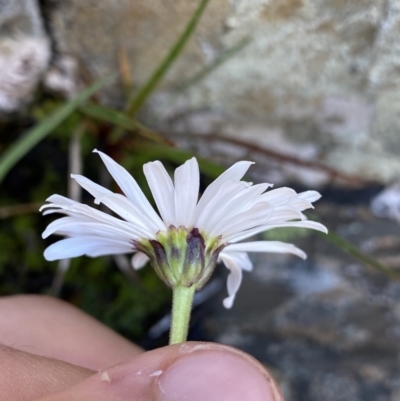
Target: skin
51, 351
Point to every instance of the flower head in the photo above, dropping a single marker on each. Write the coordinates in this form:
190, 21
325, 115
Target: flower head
187, 236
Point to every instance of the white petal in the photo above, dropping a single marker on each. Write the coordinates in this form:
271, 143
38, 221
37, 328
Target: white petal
241, 259
310, 196
90, 246
236, 237
125, 209
231, 207
258, 215
96, 190
139, 260
234, 173
209, 215
281, 214
128, 211
234, 279
278, 196
118, 204
50, 211
186, 180
78, 210
300, 204
162, 189
248, 197
131, 189
61, 200
304, 224
266, 246
79, 226
58, 224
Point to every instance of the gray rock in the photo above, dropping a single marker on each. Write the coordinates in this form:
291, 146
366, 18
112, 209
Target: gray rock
317, 74
24, 52
328, 327
319, 79
334, 387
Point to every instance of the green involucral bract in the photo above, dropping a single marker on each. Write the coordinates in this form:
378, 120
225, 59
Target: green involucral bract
181, 257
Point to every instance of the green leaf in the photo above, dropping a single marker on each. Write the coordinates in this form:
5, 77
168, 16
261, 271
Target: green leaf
33, 136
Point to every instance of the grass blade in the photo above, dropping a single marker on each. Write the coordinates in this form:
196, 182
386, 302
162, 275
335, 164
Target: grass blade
352, 250
224, 56
137, 100
196, 78
33, 136
119, 119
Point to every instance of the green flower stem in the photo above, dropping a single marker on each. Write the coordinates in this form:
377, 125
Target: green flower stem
181, 307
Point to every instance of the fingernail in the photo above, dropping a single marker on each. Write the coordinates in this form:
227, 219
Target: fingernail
217, 375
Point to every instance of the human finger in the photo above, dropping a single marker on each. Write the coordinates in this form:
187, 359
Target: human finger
190, 371
26, 377
52, 328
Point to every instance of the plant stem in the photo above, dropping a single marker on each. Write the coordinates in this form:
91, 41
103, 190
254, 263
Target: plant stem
181, 307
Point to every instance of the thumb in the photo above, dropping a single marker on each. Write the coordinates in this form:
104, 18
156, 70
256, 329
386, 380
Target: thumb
190, 371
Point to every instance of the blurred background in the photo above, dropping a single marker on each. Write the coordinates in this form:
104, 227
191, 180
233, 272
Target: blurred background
309, 89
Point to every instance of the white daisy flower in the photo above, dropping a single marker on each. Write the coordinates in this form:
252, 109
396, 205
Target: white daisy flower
186, 238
